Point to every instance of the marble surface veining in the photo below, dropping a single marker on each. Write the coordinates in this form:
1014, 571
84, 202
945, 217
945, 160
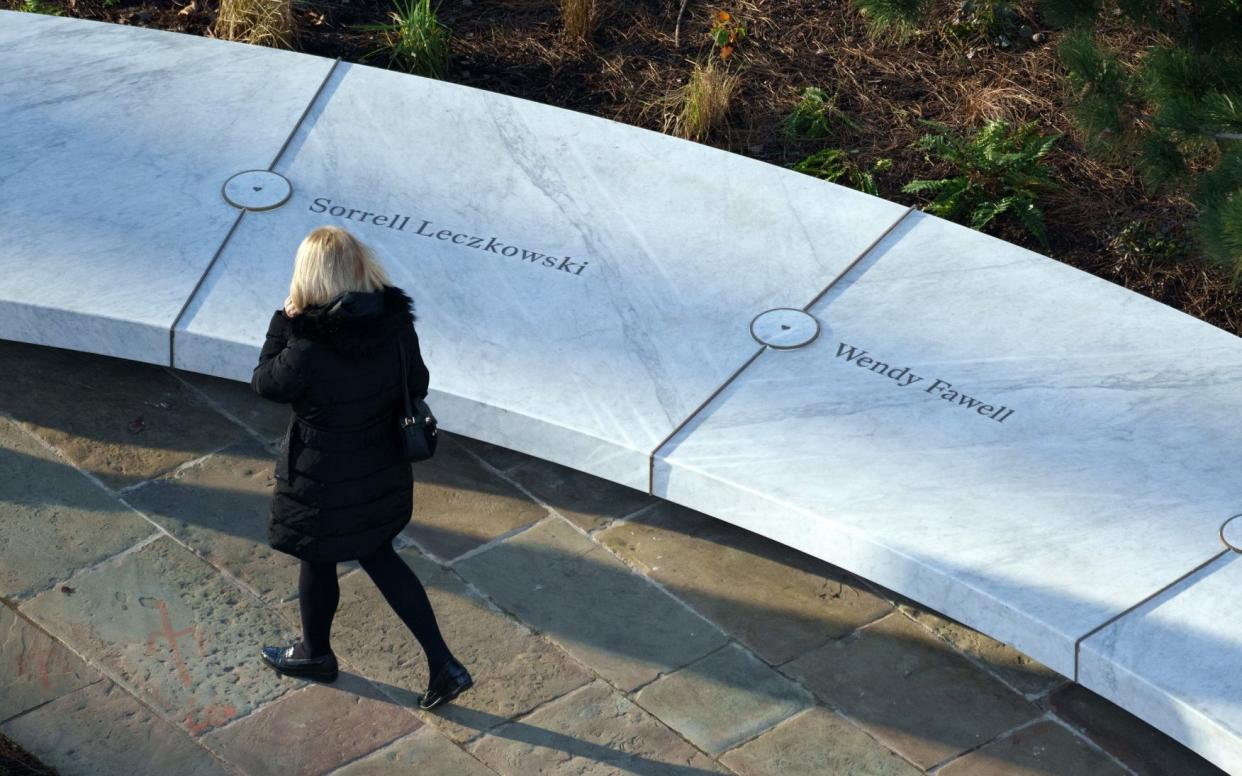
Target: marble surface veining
581, 285
114, 142
1106, 475
1176, 661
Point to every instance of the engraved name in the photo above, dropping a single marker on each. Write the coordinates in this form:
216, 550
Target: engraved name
487, 244
904, 378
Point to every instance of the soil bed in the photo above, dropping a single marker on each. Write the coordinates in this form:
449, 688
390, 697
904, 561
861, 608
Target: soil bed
1101, 220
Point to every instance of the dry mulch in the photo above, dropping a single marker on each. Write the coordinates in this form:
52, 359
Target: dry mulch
1101, 220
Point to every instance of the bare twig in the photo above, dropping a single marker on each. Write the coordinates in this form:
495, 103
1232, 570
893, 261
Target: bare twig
677, 27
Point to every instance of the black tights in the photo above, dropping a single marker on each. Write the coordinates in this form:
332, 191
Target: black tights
319, 594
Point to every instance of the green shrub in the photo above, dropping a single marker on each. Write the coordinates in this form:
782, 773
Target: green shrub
995, 19
38, 6
415, 40
1000, 170
836, 166
816, 115
1176, 110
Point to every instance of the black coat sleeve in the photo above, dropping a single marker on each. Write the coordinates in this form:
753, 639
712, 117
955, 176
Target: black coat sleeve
281, 372
417, 375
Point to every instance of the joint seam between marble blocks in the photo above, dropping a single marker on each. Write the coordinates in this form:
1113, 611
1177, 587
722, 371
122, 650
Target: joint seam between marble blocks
651, 457
305, 112
172, 329
219, 408
1078, 643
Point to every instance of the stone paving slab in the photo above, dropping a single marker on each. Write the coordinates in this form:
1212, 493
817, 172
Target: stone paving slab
423, 752
269, 419
172, 630
1143, 748
220, 508
313, 730
593, 731
1020, 671
580, 596
514, 669
1036, 750
772, 598
587, 501
122, 421
816, 742
54, 520
34, 667
460, 504
910, 691
723, 699
101, 730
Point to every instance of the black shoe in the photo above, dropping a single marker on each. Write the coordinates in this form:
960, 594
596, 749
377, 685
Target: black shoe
450, 681
322, 668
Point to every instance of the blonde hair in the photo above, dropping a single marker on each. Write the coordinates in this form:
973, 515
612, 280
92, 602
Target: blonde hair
331, 261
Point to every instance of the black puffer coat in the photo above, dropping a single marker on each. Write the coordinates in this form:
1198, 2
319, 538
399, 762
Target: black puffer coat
343, 489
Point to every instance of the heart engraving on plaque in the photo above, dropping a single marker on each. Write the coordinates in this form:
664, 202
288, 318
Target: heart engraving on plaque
258, 188
785, 327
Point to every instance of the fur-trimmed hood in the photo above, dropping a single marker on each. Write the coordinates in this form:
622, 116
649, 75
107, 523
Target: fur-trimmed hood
357, 323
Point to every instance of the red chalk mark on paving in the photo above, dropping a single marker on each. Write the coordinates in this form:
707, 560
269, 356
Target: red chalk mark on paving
166, 630
37, 661
209, 716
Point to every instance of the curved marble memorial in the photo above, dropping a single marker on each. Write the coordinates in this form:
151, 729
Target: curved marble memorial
1040, 454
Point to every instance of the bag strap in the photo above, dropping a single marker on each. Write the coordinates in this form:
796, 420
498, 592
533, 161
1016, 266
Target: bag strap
405, 388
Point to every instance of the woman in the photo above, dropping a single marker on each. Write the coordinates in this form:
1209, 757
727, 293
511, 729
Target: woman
343, 488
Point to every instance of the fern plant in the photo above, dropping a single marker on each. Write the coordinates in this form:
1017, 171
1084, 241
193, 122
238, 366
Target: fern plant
816, 115
415, 40
836, 166
999, 171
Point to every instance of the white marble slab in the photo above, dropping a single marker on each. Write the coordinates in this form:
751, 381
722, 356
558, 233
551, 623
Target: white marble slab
114, 143
1106, 476
590, 360
1176, 661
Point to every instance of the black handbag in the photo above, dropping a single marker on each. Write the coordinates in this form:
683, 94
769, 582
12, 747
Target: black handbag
417, 424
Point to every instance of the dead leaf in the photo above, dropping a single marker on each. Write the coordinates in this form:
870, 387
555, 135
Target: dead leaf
189, 9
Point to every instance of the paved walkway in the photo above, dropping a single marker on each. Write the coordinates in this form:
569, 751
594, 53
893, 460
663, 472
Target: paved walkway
609, 632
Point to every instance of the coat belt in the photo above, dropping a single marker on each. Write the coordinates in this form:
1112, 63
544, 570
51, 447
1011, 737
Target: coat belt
345, 436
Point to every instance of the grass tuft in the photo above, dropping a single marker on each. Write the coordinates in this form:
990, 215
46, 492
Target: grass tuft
258, 22
415, 40
705, 100
579, 18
